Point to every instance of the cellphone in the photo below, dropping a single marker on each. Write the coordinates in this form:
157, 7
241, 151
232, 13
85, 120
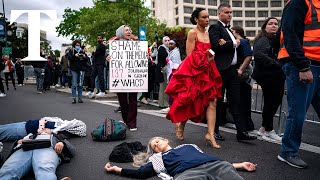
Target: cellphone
211, 53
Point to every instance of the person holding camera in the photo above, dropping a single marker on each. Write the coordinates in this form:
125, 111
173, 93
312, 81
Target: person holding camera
78, 58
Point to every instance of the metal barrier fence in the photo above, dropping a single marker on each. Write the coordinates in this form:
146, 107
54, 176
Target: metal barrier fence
257, 106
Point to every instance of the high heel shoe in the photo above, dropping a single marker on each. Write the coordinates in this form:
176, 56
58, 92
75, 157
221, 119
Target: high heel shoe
211, 141
179, 131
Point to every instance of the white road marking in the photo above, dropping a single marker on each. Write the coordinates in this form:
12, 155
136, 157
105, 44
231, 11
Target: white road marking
304, 146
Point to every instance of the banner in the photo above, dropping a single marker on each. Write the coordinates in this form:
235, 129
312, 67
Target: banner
128, 66
142, 33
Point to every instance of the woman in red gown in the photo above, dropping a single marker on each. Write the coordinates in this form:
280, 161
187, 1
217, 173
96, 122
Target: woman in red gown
196, 84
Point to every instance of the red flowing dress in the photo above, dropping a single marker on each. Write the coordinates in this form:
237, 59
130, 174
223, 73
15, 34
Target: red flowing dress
194, 84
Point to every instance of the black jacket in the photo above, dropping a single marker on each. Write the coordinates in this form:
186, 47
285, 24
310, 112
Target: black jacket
162, 55
100, 55
266, 64
77, 63
224, 53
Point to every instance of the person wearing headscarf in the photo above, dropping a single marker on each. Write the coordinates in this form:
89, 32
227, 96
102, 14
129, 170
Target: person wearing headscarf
160, 76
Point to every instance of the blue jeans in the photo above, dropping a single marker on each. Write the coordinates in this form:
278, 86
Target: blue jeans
39, 78
77, 83
44, 163
299, 97
13, 131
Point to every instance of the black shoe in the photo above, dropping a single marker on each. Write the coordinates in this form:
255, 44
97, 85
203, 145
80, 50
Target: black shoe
218, 136
242, 136
80, 100
74, 101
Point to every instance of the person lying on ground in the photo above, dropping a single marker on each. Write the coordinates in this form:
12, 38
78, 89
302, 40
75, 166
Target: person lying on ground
186, 161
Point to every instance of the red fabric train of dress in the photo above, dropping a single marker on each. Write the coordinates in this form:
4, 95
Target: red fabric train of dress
195, 83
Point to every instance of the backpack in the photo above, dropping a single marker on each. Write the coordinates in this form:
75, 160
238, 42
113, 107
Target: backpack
109, 130
124, 152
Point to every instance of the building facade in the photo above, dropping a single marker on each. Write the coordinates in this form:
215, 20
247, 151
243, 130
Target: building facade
249, 14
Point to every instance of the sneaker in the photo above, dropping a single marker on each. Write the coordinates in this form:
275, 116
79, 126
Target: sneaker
2, 95
294, 162
74, 100
19, 84
91, 95
57, 85
39, 92
133, 129
101, 94
87, 94
165, 110
80, 100
63, 87
261, 131
271, 136
52, 87
144, 101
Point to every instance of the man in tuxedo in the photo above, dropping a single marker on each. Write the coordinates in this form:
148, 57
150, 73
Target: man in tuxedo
228, 58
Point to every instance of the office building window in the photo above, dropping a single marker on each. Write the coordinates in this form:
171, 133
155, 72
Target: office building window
212, 12
187, 10
275, 3
177, 11
153, 4
250, 23
263, 14
177, 1
212, 21
250, 33
276, 13
262, 3
224, 1
177, 21
238, 23
249, 3
260, 23
250, 13
187, 20
187, 1
236, 3
200, 2
237, 13
153, 13
212, 2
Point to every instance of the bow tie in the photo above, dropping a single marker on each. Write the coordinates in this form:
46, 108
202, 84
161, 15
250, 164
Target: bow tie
227, 26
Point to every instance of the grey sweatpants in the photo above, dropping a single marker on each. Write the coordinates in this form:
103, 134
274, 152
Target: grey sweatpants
217, 170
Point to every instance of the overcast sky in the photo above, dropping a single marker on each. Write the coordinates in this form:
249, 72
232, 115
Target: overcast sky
46, 23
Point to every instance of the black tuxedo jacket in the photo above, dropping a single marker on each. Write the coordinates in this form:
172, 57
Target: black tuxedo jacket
223, 53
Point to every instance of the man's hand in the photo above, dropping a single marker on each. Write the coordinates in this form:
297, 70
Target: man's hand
240, 72
222, 42
58, 147
108, 58
306, 77
248, 166
112, 169
77, 55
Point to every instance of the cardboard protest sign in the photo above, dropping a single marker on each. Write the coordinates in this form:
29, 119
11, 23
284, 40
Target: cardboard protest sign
128, 66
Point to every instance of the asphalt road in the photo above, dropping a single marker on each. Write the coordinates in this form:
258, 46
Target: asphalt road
88, 164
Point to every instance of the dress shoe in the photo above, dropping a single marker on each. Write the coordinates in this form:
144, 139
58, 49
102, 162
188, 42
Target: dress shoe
242, 136
218, 136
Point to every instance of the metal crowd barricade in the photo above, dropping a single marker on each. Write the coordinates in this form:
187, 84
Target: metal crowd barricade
28, 72
257, 106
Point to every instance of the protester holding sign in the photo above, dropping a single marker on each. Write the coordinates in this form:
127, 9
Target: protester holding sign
196, 84
124, 63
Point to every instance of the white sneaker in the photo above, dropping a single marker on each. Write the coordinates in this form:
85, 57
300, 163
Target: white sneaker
2, 95
91, 95
261, 131
271, 136
39, 92
133, 129
166, 110
101, 94
144, 101
19, 84
87, 94
57, 85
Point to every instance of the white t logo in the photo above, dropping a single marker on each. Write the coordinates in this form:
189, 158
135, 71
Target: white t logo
33, 30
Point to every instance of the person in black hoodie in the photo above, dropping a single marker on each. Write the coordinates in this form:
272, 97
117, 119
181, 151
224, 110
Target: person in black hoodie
98, 67
19, 71
78, 58
269, 75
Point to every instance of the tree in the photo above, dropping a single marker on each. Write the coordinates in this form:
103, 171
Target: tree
105, 17
180, 35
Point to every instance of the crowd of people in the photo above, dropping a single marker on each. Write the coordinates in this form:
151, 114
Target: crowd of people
218, 66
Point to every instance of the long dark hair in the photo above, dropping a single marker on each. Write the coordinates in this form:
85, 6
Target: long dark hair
240, 31
263, 32
195, 14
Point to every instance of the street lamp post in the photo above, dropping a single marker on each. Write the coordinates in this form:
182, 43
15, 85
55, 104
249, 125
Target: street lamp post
5, 24
133, 5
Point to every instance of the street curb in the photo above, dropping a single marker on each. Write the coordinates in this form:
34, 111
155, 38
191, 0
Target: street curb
107, 96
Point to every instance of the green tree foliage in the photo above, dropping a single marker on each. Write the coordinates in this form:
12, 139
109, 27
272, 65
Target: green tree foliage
105, 17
